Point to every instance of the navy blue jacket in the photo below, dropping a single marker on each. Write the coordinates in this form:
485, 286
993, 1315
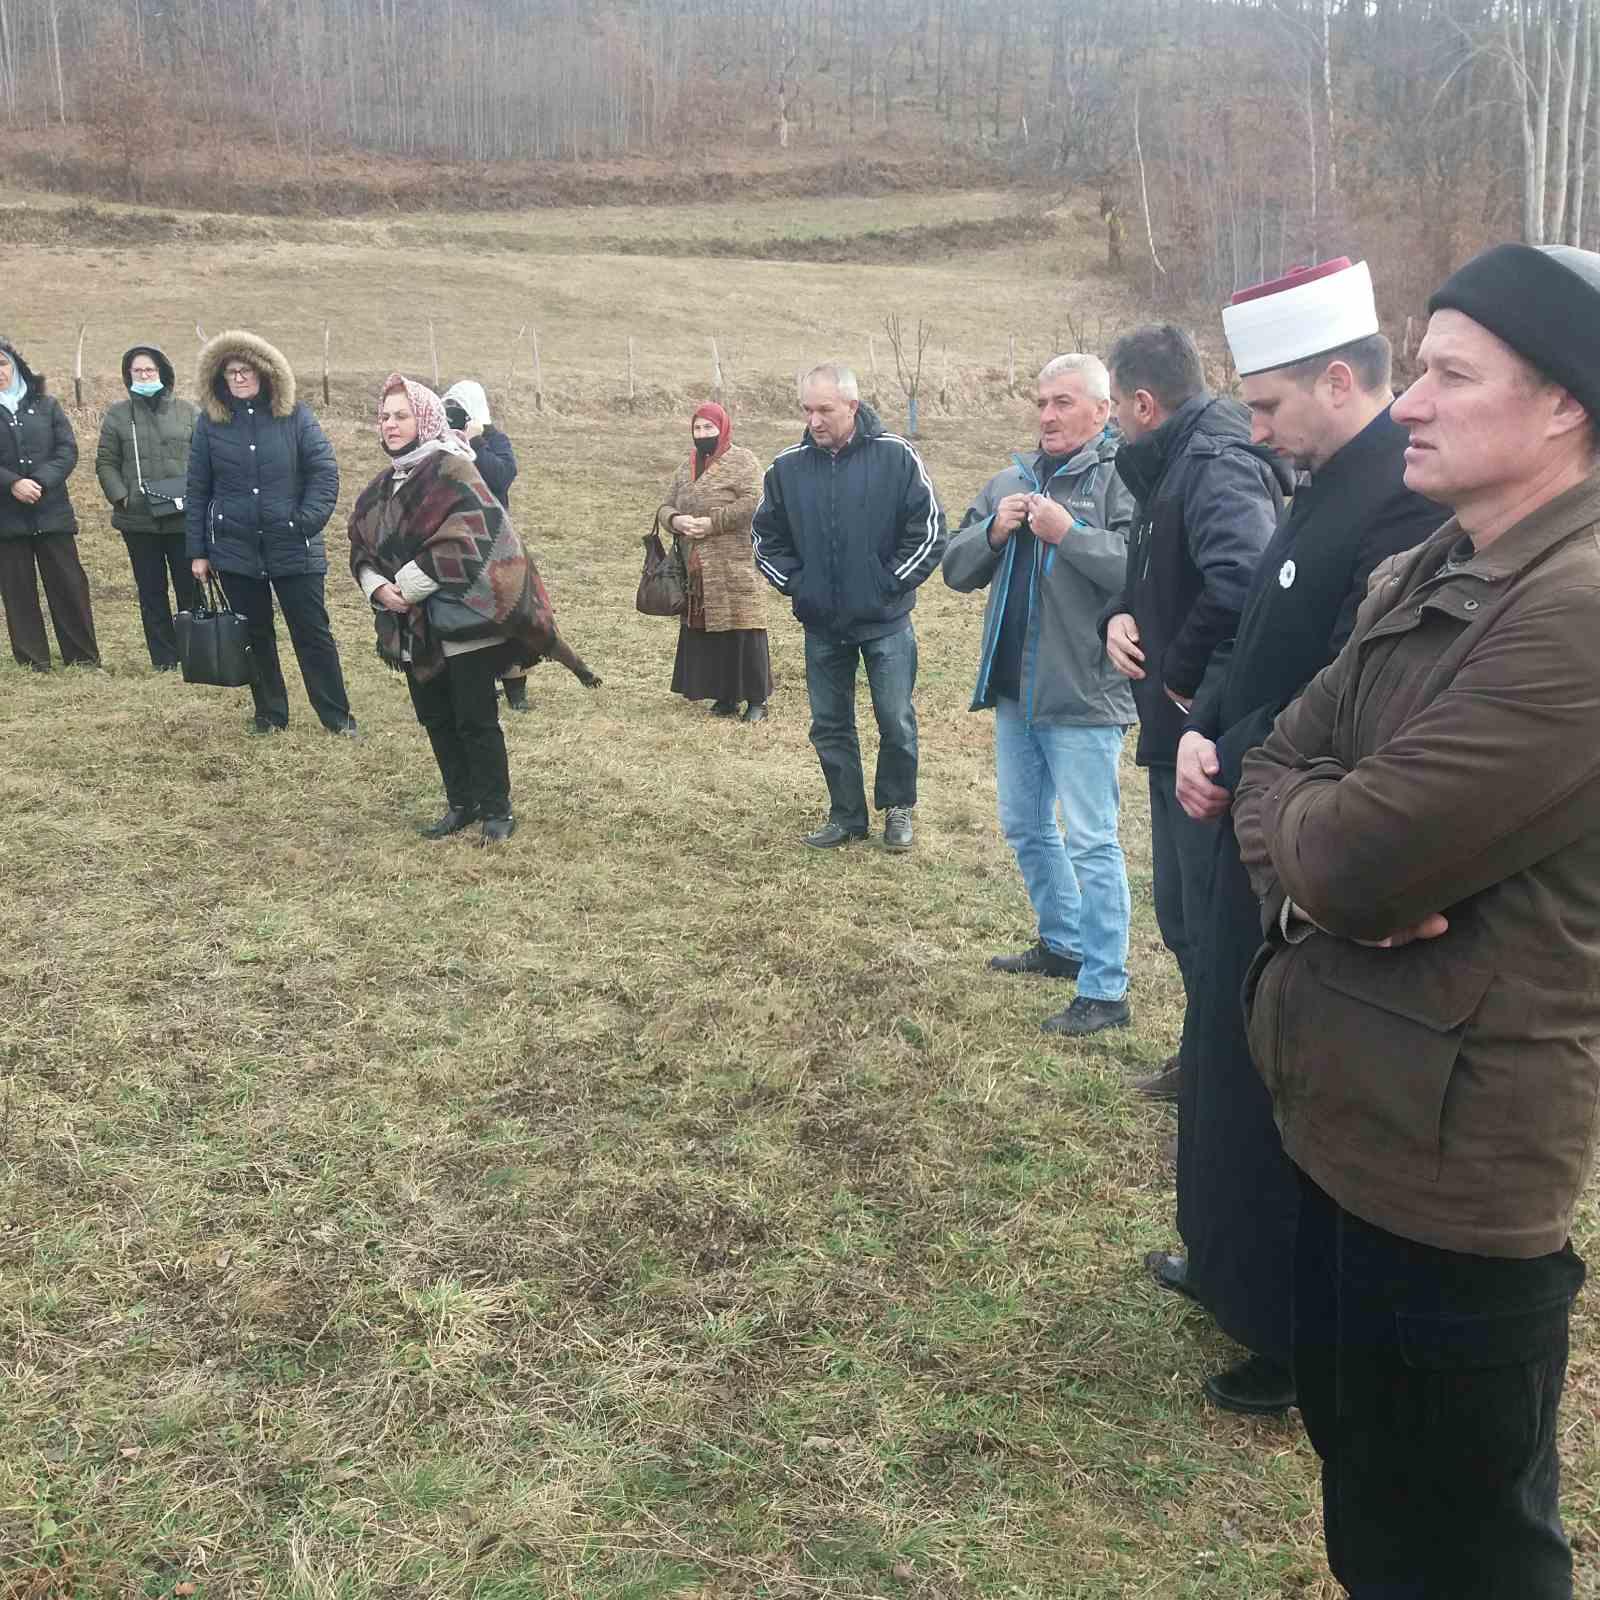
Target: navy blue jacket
262, 476
849, 536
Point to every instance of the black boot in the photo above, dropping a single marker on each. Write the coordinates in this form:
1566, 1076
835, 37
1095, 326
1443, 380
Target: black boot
1257, 1387
453, 821
496, 830
516, 693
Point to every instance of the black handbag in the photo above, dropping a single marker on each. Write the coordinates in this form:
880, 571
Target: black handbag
214, 643
664, 583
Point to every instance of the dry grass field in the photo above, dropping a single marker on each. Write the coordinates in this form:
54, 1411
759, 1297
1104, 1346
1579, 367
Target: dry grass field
652, 1208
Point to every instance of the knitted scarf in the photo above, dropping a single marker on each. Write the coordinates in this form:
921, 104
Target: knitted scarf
441, 515
433, 432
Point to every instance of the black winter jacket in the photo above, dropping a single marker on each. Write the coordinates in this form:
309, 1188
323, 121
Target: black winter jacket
35, 442
263, 480
1355, 512
497, 463
849, 536
1208, 503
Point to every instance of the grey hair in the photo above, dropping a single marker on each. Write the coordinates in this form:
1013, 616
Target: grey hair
1096, 380
839, 375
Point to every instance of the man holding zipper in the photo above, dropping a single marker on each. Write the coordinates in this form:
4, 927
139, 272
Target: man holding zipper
1048, 538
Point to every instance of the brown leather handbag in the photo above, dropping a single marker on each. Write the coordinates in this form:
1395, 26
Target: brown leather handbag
664, 583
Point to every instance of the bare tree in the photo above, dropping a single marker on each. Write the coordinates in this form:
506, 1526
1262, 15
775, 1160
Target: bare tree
908, 364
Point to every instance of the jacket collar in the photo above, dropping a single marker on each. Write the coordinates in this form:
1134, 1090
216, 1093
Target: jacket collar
1099, 448
1527, 541
1141, 462
1361, 456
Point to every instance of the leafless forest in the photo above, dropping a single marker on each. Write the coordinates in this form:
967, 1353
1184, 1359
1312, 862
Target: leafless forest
1226, 138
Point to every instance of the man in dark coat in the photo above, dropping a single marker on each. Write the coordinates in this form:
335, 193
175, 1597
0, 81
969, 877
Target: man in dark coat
1422, 828
263, 482
849, 528
144, 447
1329, 415
38, 527
1208, 501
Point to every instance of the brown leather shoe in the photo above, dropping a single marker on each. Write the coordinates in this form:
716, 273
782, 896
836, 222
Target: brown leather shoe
1162, 1085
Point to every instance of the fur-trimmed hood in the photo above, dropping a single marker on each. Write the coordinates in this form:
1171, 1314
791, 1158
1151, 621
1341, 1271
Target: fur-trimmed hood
277, 375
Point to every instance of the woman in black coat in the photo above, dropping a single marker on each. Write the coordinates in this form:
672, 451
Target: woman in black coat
38, 527
262, 485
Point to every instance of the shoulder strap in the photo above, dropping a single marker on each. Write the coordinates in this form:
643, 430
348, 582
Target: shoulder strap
133, 425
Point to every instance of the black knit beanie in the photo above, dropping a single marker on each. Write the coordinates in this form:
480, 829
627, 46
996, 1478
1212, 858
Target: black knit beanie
1544, 301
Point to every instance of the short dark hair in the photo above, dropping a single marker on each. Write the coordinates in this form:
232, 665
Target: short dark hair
1161, 359
1371, 359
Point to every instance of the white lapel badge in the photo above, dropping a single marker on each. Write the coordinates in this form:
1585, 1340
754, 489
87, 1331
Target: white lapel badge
1286, 575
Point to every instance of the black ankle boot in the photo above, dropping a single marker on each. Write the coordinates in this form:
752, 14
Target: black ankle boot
516, 693
453, 821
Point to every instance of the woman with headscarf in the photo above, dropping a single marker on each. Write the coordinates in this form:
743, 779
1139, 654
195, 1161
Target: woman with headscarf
262, 484
722, 642
466, 409
142, 463
457, 599
38, 527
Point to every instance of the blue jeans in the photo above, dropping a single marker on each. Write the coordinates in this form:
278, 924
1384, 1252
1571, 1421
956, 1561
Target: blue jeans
1078, 885
891, 664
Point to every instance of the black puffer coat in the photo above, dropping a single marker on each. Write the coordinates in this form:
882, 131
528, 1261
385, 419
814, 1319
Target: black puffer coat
35, 442
165, 425
263, 480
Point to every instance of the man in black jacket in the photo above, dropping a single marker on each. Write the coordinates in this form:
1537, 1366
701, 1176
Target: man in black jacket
848, 526
1208, 502
1326, 410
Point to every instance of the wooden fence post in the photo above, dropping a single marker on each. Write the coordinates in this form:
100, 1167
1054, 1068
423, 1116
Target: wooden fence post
77, 368
433, 352
630, 370
716, 373
538, 372
326, 339
1011, 363
516, 345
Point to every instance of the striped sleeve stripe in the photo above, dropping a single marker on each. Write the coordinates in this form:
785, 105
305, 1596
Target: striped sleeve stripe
906, 568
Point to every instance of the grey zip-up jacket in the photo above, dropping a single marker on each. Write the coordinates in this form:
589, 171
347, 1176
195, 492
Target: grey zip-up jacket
1067, 679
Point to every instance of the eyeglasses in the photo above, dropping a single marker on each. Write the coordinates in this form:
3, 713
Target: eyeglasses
237, 374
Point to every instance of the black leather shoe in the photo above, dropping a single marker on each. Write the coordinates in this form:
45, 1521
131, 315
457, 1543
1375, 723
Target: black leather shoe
516, 694
453, 821
830, 836
755, 712
1257, 1387
1085, 1016
1038, 961
496, 830
1162, 1085
1171, 1272
725, 708
263, 726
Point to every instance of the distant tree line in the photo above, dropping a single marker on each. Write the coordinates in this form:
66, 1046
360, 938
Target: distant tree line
1227, 137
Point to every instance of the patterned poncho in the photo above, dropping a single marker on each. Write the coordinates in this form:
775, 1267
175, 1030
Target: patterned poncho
443, 517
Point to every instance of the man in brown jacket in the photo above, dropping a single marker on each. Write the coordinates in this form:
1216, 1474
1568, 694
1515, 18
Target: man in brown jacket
1423, 827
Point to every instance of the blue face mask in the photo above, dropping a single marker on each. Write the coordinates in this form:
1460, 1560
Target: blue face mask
147, 386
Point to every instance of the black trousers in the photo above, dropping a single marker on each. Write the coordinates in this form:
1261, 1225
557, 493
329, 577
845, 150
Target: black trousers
156, 558
457, 708
306, 617
66, 588
1180, 869
1429, 1383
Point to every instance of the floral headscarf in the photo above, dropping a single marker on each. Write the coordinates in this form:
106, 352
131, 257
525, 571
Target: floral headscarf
433, 432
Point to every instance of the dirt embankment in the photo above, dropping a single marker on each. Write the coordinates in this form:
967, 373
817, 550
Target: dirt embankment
93, 225
204, 170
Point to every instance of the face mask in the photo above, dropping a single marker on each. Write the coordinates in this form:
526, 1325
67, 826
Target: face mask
456, 417
704, 447
147, 386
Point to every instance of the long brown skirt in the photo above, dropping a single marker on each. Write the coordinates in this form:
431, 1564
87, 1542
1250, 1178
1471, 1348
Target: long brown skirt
729, 666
